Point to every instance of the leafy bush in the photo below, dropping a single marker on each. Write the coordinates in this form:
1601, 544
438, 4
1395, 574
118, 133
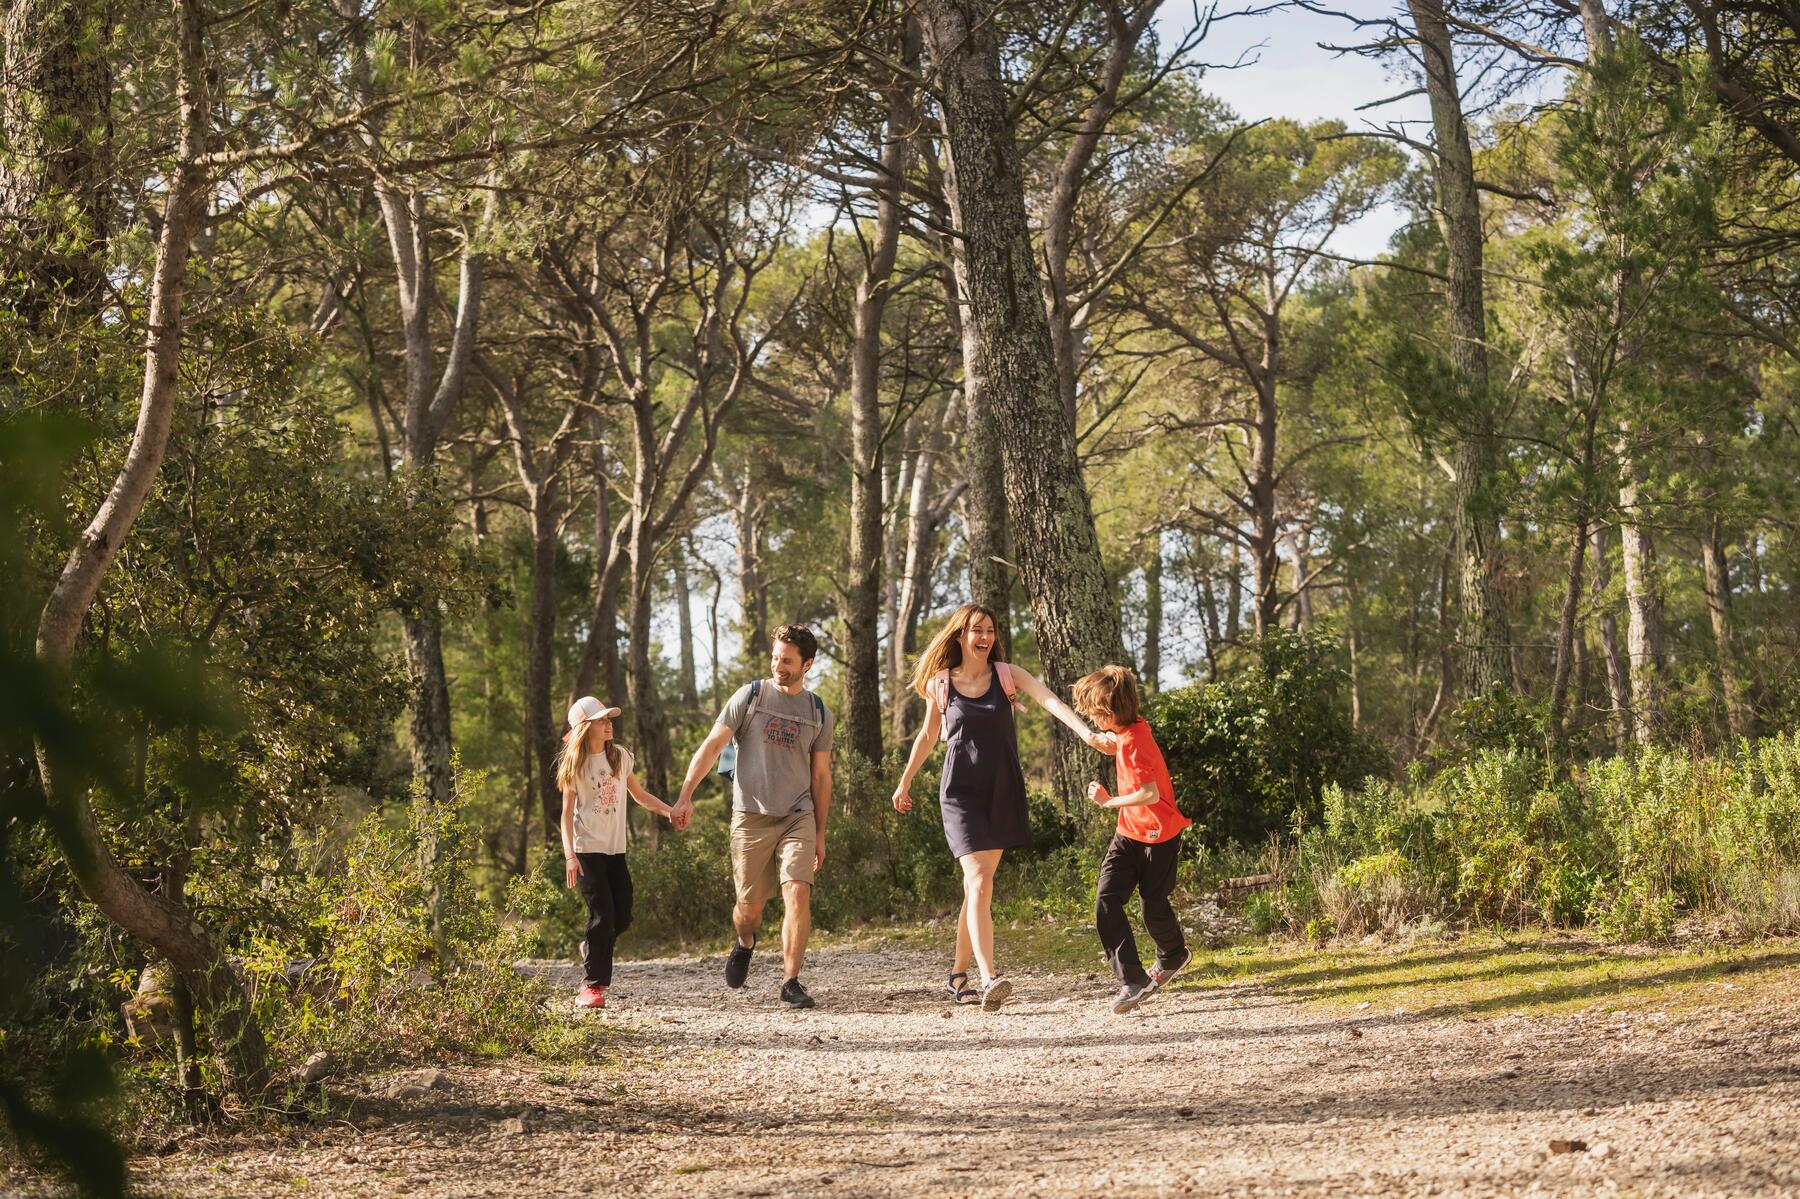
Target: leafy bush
1250, 754
1627, 845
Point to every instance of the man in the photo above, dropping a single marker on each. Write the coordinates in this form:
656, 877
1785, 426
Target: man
780, 795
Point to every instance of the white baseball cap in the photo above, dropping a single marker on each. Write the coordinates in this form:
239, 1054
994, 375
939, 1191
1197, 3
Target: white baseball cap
588, 708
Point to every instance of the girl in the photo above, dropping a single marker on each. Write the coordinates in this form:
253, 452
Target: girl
969, 689
594, 775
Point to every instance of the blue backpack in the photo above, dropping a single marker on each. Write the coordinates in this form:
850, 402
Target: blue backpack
727, 768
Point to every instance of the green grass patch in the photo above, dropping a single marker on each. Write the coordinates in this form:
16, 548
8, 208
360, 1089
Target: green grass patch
1484, 974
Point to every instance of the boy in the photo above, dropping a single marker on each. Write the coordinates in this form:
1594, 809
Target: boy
1144, 850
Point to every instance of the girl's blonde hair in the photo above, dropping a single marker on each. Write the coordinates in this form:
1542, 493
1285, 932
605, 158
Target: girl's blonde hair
945, 650
574, 754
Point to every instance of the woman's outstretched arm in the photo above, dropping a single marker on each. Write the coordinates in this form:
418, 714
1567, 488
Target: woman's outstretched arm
1047, 699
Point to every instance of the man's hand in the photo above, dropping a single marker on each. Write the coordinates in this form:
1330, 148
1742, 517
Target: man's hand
819, 854
1104, 743
903, 798
571, 870
683, 810
1099, 794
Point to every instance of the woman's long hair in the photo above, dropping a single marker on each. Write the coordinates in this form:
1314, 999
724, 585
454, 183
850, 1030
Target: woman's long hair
574, 754
945, 650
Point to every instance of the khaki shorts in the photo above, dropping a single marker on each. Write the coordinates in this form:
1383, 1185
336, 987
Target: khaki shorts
767, 851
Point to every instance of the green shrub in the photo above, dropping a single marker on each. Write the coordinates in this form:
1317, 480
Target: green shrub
1251, 753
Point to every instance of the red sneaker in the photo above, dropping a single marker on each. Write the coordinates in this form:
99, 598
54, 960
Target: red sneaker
591, 996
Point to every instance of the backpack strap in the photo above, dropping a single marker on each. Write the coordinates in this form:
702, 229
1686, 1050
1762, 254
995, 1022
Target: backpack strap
1007, 684
940, 699
749, 707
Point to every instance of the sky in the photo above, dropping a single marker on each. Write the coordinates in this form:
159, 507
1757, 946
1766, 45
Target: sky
1287, 74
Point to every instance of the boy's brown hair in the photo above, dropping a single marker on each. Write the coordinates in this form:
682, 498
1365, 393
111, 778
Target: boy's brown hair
1110, 691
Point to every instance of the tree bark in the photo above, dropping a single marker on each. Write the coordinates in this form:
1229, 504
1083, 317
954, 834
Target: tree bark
753, 595
1066, 323
215, 986
56, 125
862, 592
986, 532
1738, 716
1073, 611
540, 477
1618, 677
1483, 631
1153, 613
1567, 618
684, 615
1643, 599
599, 660
925, 514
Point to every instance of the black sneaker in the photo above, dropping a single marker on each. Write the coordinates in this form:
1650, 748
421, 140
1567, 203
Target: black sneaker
1129, 996
737, 966
794, 995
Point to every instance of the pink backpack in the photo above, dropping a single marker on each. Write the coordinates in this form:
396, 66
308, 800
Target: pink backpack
940, 693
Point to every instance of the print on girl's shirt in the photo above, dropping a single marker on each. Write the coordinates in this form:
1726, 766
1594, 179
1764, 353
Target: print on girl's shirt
606, 792
782, 732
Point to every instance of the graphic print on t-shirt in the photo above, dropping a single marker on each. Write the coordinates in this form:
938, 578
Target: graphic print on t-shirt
782, 732
606, 794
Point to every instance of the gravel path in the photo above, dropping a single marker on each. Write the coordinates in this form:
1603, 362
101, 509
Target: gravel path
885, 1090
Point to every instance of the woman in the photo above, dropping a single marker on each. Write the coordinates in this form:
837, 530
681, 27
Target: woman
969, 690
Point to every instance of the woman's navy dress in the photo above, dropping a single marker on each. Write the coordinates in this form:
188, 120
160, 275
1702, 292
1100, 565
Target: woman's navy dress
982, 795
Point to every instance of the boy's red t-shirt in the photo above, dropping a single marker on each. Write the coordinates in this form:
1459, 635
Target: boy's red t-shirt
1141, 762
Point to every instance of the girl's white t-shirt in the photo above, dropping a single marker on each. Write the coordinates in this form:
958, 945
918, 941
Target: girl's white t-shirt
600, 804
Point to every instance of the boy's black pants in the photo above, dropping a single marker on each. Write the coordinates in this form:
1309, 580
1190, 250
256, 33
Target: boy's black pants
605, 884
1150, 871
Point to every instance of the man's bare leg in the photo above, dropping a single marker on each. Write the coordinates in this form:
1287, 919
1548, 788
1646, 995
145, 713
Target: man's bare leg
796, 926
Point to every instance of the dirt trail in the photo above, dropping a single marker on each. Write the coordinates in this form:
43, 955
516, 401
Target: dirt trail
885, 1090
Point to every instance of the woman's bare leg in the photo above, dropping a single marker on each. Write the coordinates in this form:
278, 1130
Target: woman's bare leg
963, 950
978, 900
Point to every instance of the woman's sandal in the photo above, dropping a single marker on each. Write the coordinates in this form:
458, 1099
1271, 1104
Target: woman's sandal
961, 993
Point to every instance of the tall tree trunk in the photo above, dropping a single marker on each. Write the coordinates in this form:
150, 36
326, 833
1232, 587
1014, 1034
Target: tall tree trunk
1566, 622
986, 528
540, 477
1073, 612
650, 727
1153, 612
1718, 605
1618, 677
1643, 598
753, 594
684, 613
1265, 536
1124, 31
599, 662
926, 510
861, 602
1483, 632
168, 927
56, 125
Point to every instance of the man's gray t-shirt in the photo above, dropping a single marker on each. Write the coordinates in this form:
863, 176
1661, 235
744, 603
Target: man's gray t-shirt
775, 745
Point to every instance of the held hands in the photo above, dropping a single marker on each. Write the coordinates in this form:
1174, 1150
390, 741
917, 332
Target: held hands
903, 798
571, 871
682, 812
1098, 793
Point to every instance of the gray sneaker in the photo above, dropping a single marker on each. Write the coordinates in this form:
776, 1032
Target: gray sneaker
1129, 996
994, 994
1160, 975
